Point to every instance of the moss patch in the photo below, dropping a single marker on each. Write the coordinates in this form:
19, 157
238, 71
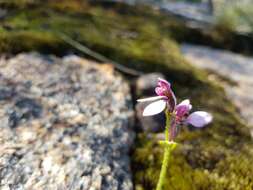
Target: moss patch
216, 157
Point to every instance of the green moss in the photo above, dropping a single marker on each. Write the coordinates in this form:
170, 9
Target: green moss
199, 163
216, 157
29, 41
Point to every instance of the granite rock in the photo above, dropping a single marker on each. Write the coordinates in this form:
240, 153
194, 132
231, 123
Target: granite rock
64, 124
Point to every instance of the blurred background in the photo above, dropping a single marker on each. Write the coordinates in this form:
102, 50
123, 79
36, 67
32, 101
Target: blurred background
203, 47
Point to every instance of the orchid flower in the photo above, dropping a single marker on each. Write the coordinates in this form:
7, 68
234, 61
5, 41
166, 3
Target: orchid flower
176, 115
165, 98
182, 116
180, 113
197, 118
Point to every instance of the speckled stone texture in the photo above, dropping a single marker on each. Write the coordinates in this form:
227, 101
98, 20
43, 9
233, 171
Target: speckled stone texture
64, 124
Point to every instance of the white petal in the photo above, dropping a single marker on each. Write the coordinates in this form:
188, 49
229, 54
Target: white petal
154, 108
199, 118
150, 99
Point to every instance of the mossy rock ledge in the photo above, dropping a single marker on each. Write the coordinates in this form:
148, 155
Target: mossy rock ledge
64, 124
217, 157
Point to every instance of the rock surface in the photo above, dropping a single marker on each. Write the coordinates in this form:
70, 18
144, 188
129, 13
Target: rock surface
146, 84
2, 13
236, 67
64, 124
197, 14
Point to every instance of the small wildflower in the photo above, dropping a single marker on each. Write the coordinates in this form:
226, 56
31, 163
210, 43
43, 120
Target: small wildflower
165, 98
176, 115
180, 114
197, 119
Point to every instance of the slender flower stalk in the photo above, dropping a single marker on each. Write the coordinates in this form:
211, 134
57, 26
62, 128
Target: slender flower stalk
168, 147
167, 126
176, 116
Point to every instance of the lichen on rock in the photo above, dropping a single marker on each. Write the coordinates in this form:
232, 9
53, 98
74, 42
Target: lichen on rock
64, 124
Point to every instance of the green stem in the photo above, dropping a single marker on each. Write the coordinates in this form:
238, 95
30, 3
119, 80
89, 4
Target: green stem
168, 147
167, 126
163, 172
